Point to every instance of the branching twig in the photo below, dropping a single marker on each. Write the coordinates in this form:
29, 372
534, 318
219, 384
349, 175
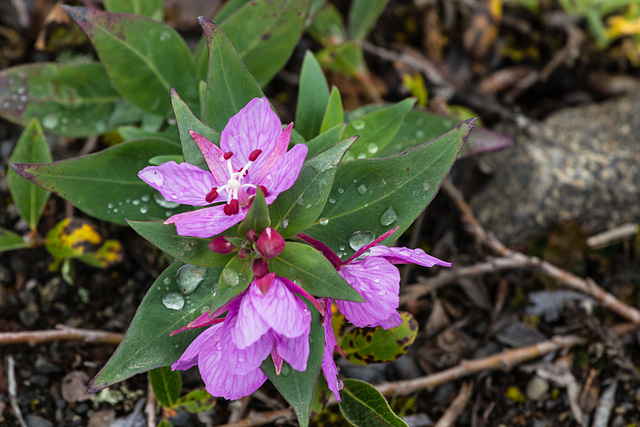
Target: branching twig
61, 333
457, 406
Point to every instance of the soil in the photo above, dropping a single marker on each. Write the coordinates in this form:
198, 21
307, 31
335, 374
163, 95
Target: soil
505, 75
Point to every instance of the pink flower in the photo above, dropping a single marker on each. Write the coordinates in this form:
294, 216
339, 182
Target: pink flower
265, 319
252, 155
329, 368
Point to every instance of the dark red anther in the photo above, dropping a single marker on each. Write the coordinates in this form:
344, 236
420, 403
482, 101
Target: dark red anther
254, 155
231, 208
260, 268
212, 195
220, 245
264, 190
270, 243
228, 155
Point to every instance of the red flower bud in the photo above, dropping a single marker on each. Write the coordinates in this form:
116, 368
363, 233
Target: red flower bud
270, 243
243, 253
260, 268
252, 235
220, 245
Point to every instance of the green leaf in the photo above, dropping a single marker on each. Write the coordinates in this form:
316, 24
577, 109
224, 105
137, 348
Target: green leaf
166, 385
234, 279
147, 344
106, 184
191, 250
376, 345
363, 405
346, 58
228, 9
186, 120
297, 387
258, 216
334, 114
158, 160
325, 140
313, 272
313, 96
10, 241
28, 197
151, 8
144, 58
230, 86
267, 43
300, 205
377, 129
165, 423
373, 195
327, 27
363, 15
196, 401
68, 99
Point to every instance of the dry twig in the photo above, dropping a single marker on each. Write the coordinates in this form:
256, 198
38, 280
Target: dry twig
61, 333
13, 390
457, 406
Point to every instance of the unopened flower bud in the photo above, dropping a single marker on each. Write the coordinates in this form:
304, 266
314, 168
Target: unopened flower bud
252, 235
220, 245
260, 268
243, 253
270, 243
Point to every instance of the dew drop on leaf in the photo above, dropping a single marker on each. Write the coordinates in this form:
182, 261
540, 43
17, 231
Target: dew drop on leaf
388, 217
189, 278
340, 190
324, 221
50, 121
285, 222
358, 124
362, 189
229, 277
332, 201
361, 238
372, 148
163, 202
173, 301
144, 209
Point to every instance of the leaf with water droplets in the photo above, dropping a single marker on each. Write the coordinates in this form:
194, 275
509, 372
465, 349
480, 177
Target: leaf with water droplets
410, 180
234, 279
312, 187
148, 343
189, 277
388, 217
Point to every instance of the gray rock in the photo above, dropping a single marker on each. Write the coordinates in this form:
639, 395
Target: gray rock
580, 164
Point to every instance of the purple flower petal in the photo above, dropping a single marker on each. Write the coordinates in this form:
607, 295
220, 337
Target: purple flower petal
392, 321
214, 157
250, 325
202, 343
206, 222
294, 350
281, 309
181, 183
328, 364
285, 172
406, 256
378, 281
255, 127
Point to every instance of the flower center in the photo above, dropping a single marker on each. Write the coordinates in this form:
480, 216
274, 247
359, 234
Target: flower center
236, 189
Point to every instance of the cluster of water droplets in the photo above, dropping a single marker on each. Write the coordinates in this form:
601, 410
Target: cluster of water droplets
14, 98
141, 204
187, 279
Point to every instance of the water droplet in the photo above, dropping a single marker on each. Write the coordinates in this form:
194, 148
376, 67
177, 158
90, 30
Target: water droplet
354, 180
166, 280
110, 205
426, 185
145, 198
285, 222
50, 121
420, 133
362, 189
240, 359
115, 210
307, 206
372, 148
153, 176
382, 293
164, 36
388, 217
135, 202
173, 301
361, 238
189, 278
300, 201
164, 202
332, 201
21, 90
229, 277
324, 221
340, 190
342, 247
358, 124
144, 209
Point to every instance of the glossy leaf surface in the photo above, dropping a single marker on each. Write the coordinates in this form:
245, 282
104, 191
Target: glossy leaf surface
363, 405
313, 95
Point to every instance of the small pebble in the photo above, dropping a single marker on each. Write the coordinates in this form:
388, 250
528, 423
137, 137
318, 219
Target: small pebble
36, 421
537, 388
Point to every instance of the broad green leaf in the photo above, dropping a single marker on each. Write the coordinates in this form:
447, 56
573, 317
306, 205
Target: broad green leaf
377, 129
258, 216
320, 397
191, 250
165, 423
79, 238
327, 27
147, 344
363, 15
234, 279
196, 401
374, 195
144, 58
106, 184
228, 9
363, 405
28, 197
298, 387
376, 345
166, 385
334, 114
158, 160
325, 140
230, 86
186, 120
313, 272
129, 133
300, 205
69, 99
10, 241
151, 8
267, 43
313, 96
346, 58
